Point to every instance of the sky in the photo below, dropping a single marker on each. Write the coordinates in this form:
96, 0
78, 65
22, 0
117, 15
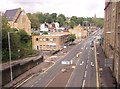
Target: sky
79, 8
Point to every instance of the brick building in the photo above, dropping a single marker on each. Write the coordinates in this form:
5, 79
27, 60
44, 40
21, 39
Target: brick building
18, 19
112, 35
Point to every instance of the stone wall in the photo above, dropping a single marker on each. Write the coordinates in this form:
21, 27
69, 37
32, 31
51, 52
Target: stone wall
19, 69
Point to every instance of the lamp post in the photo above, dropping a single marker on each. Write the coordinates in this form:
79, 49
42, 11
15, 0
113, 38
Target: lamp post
11, 77
11, 73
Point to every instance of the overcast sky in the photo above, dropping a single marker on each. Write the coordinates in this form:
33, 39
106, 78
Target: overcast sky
80, 8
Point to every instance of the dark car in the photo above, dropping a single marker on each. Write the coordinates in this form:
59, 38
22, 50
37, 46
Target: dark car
92, 44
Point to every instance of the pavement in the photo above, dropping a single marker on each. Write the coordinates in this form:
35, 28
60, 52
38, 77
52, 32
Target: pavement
105, 74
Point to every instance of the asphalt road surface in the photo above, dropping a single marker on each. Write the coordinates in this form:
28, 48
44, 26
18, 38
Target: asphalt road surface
83, 75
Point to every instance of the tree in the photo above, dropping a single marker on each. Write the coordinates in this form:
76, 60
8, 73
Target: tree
71, 38
45, 33
60, 20
54, 17
18, 41
75, 19
80, 20
62, 16
23, 36
72, 24
41, 17
34, 20
49, 18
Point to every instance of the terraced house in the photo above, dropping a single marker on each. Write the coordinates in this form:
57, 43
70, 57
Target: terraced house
18, 19
112, 36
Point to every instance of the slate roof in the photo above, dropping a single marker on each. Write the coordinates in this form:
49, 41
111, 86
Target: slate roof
10, 14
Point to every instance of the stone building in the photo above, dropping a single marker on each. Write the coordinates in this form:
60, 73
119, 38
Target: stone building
18, 19
112, 35
79, 32
51, 41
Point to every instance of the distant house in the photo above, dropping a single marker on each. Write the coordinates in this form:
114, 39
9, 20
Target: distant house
44, 27
49, 27
18, 19
79, 32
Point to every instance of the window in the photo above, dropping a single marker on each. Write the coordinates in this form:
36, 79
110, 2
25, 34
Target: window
44, 39
40, 39
36, 39
47, 39
40, 46
54, 39
37, 47
51, 39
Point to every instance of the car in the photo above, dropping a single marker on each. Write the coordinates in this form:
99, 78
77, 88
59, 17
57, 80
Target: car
92, 44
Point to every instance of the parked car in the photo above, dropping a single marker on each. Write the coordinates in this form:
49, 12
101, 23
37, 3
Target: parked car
92, 44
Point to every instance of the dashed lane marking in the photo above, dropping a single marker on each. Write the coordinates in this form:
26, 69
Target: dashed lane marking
83, 85
85, 74
36, 82
32, 85
86, 66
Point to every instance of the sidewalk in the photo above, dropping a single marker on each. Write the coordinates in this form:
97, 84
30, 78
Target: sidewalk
106, 78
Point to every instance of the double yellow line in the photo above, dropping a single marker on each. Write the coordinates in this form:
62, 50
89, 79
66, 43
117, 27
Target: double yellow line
97, 78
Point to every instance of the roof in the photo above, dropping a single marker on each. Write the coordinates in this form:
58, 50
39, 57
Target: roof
53, 35
10, 14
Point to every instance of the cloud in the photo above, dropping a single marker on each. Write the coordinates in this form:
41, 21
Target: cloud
80, 8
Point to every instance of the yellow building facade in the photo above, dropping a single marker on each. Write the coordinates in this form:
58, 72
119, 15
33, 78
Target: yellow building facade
53, 41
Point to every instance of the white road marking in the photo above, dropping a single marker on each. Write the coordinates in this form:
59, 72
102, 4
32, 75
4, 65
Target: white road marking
36, 82
82, 63
32, 85
85, 74
86, 66
83, 83
72, 74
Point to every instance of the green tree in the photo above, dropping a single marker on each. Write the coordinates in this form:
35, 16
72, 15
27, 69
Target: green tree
54, 17
49, 18
41, 17
45, 33
24, 37
62, 16
60, 20
75, 19
34, 20
72, 24
71, 38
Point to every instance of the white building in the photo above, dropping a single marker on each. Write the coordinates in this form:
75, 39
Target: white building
44, 27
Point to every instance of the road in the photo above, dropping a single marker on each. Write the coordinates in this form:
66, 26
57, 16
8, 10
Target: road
84, 74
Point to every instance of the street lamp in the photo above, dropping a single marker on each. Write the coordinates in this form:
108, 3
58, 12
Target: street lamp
11, 77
